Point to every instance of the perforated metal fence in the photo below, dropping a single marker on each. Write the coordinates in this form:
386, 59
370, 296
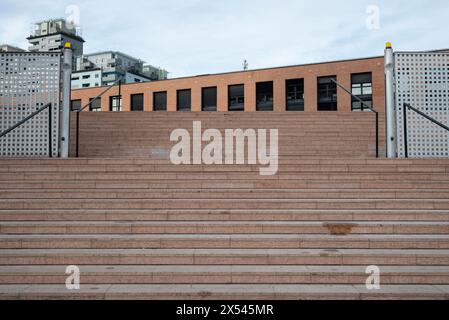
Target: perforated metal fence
28, 81
422, 80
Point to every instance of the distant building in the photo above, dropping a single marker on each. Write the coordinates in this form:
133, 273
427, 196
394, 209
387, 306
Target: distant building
106, 68
51, 35
8, 48
91, 70
155, 73
87, 79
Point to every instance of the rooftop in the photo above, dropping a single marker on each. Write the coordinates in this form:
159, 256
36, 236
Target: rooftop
113, 52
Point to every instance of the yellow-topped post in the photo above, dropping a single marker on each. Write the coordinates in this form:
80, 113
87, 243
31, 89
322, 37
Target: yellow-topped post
390, 101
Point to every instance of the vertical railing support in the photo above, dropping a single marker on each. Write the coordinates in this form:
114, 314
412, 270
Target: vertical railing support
377, 135
50, 132
405, 131
77, 134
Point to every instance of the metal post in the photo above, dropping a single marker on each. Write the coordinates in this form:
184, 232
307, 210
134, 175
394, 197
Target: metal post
390, 102
50, 138
405, 131
120, 95
377, 135
65, 111
77, 134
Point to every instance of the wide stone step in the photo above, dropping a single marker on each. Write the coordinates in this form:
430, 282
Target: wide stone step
134, 274
224, 292
224, 227
195, 203
221, 241
222, 194
361, 257
41, 215
361, 186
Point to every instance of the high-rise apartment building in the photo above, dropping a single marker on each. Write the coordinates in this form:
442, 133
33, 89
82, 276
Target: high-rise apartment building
50, 35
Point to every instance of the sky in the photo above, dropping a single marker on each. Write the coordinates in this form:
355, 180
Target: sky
193, 37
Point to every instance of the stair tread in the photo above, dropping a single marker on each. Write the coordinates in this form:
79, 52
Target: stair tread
211, 291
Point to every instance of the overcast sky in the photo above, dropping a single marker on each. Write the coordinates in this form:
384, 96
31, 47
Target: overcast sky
190, 37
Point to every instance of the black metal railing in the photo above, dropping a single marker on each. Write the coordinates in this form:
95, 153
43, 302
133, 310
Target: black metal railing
408, 106
31, 116
370, 108
77, 147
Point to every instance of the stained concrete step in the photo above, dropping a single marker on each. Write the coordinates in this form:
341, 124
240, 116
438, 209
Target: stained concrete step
224, 227
363, 257
41, 215
222, 194
223, 241
134, 274
225, 292
231, 176
194, 203
361, 186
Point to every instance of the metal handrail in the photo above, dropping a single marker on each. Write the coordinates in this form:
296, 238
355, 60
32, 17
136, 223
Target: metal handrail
119, 82
408, 106
31, 116
367, 107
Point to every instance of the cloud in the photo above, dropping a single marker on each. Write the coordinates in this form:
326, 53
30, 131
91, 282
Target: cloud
202, 36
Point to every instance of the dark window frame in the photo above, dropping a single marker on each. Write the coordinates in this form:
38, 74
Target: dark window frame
138, 99
365, 85
156, 107
205, 106
329, 101
265, 96
296, 103
72, 107
97, 107
180, 106
237, 102
113, 108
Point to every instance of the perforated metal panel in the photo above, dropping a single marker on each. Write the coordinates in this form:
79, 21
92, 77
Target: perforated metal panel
28, 81
422, 80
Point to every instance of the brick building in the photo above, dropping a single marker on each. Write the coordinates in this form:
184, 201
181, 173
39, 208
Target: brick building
293, 88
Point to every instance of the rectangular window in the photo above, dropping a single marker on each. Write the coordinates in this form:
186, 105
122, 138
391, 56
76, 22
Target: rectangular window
160, 101
264, 96
75, 78
75, 105
95, 106
327, 93
86, 85
184, 100
115, 104
209, 99
236, 97
362, 87
137, 102
86, 77
295, 94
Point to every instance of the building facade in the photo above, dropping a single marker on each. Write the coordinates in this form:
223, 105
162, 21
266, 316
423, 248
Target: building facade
112, 65
301, 88
8, 48
155, 73
51, 35
87, 79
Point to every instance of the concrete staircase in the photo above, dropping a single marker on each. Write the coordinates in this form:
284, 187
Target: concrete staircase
140, 228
